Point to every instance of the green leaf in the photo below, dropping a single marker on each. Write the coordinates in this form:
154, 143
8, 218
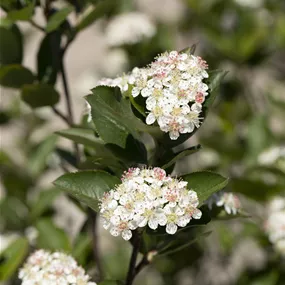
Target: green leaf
82, 136
100, 10
23, 14
205, 183
38, 160
39, 95
181, 154
134, 152
214, 81
51, 237
15, 76
48, 58
87, 186
12, 257
58, 18
66, 156
43, 202
175, 248
137, 106
11, 44
112, 115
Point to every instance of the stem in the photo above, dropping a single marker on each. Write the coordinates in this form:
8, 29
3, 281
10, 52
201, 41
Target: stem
66, 91
34, 24
132, 266
58, 113
93, 221
68, 102
141, 265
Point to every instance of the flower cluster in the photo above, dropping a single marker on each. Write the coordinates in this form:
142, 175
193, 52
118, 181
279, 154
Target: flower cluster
43, 267
229, 201
275, 224
170, 84
148, 197
173, 88
129, 28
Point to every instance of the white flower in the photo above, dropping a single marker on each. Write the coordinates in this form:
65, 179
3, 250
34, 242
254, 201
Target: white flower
275, 223
129, 28
229, 201
121, 82
88, 112
43, 267
172, 12
175, 91
271, 155
115, 61
148, 197
250, 3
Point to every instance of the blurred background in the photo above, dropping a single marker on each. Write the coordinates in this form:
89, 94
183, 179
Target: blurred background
243, 137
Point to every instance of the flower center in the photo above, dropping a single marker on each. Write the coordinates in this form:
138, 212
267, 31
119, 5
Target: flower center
171, 218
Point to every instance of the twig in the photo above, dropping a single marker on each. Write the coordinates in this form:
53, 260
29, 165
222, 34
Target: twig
93, 221
34, 24
68, 103
141, 265
66, 91
58, 113
132, 266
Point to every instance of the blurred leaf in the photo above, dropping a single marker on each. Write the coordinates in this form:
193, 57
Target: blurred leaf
39, 95
15, 179
87, 186
205, 183
12, 257
100, 10
259, 136
43, 202
11, 44
37, 161
111, 282
82, 248
277, 102
112, 115
58, 18
82, 136
256, 190
269, 278
271, 172
51, 237
23, 14
13, 213
15, 76
5, 117
48, 58
182, 154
